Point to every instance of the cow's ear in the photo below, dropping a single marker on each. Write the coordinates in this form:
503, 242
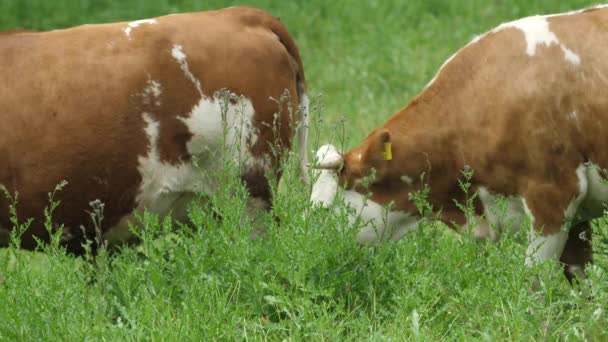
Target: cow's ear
379, 153
380, 148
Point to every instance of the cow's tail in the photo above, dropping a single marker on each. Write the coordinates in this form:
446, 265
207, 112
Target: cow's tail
302, 115
303, 134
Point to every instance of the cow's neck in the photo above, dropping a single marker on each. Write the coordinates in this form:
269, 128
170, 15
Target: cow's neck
426, 127
428, 144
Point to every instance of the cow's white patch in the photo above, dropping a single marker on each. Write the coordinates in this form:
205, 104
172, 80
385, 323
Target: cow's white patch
154, 88
543, 248
220, 124
407, 179
379, 223
506, 214
574, 117
528, 211
304, 108
216, 120
575, 269
536, 31
476, 39
597, 194
178, 54
137, 23
325, 188
162, 182
328, 157
571, 56
482, 230
167, 187
164, 187
216, 124
303, 135
583, 184
152, 92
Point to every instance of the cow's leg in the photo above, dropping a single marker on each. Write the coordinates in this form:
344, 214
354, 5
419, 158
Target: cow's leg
259, 200
551, 208
256, 207
478, 226
578, 251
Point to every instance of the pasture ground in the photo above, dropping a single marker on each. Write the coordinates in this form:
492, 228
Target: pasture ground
306, 279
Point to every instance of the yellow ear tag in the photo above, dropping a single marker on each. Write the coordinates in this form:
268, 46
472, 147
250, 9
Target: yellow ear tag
388, 151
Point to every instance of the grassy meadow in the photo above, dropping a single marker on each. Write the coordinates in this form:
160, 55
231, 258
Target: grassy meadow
306, 279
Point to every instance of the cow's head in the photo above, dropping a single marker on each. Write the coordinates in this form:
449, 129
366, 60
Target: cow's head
391, 169
380, 221
370, 159
375, 168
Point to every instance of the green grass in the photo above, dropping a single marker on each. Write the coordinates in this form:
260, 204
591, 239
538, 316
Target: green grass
305, 279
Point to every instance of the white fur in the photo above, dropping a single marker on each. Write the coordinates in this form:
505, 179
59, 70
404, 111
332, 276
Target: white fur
305, 108
214, 122
583, 188
154, 88
152, 92
511, 216
543, 248
162, 183
329, 157
379, 223
476, 39
536, 32
574, 116
137, 23
325, 188
161, 179
407, 179
597, 193
303, 135
169, 187
178, 54
570, 56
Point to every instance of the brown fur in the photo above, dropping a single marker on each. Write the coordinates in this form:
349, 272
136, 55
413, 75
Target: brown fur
70, 110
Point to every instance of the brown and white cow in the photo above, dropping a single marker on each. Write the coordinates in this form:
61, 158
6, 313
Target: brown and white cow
524, 106
121, 110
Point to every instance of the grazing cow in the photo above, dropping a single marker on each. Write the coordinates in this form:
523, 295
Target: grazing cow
123, 111
524, 106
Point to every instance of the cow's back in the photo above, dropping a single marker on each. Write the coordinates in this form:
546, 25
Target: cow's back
525, 89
